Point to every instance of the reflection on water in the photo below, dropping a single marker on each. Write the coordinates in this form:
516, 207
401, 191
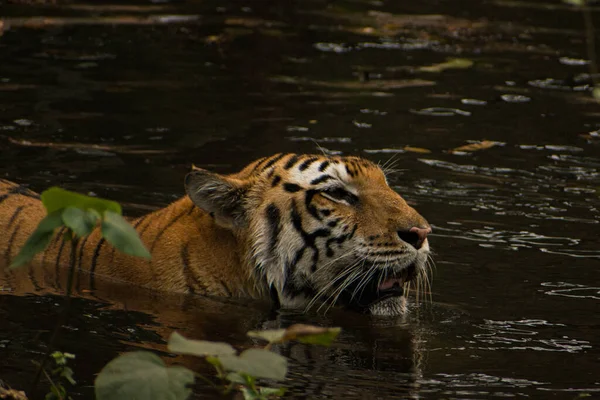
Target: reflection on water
481, 114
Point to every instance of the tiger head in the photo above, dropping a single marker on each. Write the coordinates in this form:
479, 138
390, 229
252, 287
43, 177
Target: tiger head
320, 230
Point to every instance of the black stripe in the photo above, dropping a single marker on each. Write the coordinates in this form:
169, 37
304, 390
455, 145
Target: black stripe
333, 223
162, 232
94, 261
10, 243
307, 163
192, 209
139, 221
321, 179
351, 173
227, 290
258, 164
338, 239
274, 219
323, 165
309, 239
14, 216
185, 260
273, 160
19, 189
79, 261
276, 180
353, 231
292, 161
291, 187
311, 208
55, 240
13, 234
57, 264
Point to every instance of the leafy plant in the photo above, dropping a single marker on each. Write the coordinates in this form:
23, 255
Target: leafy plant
133, 374
80, 214
59, 376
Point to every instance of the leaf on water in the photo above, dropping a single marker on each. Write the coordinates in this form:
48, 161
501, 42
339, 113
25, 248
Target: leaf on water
259, 363
81, 222
312, 334
596, 93
484, 144
122, 235
39, 239
451, 63
142, 375
416, 150
299, 332
270, 335
202, 348
56, 198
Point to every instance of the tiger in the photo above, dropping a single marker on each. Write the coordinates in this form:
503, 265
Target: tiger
298, 230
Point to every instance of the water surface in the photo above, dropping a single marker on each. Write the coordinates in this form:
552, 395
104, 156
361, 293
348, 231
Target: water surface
121, 100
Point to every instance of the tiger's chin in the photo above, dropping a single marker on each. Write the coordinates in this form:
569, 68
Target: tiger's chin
389, 307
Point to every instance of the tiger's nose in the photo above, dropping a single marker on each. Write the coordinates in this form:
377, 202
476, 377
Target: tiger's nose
415, 236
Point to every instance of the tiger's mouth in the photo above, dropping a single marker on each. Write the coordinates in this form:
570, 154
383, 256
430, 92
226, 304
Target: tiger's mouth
381, 288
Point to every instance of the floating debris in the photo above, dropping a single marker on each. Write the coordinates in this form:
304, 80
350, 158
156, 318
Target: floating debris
23, 122
451, 63
573, 61
475, 146
473, 102
383, 151
440, 112
361, 124
515, 98
332, 47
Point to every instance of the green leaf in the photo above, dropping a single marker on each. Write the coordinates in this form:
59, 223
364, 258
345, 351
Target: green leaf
142, 375
39, 239
258, 363
81, 222
56, 198
122, 235
67, 373
202, 348
214, 361
250, 394
272, 392
234, 377
299, 332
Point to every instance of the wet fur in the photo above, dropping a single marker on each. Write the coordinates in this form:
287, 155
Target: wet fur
270, 228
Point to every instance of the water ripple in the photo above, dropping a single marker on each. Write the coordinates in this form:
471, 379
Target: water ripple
526, 335
572, 290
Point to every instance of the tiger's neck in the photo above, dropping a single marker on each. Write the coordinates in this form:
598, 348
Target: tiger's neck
190, 254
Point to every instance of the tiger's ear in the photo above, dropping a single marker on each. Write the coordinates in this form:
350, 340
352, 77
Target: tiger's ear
218, 195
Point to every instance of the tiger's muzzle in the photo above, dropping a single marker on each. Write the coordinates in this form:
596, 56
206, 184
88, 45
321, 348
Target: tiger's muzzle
382, 294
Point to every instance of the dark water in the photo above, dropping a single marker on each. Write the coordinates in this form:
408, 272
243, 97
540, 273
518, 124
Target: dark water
120, 101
